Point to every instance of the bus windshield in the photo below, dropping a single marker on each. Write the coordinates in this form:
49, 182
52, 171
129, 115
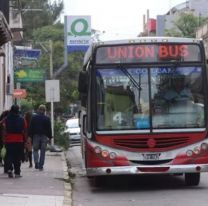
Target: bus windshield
137, 98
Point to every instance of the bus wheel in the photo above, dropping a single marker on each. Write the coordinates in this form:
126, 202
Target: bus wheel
192, 179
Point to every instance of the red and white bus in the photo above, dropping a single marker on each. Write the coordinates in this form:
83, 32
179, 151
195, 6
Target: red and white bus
144, 108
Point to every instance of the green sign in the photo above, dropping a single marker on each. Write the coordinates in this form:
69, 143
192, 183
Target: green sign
29, 75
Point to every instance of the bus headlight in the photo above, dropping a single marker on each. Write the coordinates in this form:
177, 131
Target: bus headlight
112, 155
97, 150
189, 153
104, 153
196, 150
204, 146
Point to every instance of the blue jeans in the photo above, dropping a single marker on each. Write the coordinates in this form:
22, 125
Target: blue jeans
39, 143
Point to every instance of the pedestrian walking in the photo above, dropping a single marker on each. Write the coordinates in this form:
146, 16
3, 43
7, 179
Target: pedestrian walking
40, 131
3, 161
28, 143
15, 134
1, 138
1, 143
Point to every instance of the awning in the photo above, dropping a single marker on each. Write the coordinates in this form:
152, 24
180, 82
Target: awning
5, 32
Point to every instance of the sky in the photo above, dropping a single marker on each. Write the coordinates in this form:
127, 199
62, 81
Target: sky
118, 18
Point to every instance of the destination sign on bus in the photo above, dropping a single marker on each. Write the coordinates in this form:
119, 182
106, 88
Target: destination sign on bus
148, 53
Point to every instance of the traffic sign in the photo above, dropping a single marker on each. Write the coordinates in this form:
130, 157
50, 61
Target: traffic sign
52, 91
20, 93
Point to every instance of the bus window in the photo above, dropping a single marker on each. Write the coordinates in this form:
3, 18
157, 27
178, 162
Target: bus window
122, 100
175, 99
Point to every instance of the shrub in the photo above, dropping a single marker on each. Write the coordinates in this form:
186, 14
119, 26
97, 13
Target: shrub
60, 138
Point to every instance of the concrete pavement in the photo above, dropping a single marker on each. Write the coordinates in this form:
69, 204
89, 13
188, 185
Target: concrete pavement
38, 188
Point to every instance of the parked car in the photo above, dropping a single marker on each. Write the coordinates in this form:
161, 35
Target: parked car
73, 129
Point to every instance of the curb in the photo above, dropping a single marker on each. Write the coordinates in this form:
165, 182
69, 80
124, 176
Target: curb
67, 186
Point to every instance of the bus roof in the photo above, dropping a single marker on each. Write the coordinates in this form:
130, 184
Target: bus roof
148, 39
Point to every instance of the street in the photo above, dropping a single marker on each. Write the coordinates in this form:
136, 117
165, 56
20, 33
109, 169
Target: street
133, 191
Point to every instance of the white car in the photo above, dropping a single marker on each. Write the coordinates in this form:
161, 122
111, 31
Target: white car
73, 129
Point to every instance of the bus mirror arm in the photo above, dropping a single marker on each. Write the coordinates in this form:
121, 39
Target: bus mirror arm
82, 82
79, 115
84, 128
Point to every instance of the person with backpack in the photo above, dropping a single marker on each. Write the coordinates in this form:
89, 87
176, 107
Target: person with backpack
15, 134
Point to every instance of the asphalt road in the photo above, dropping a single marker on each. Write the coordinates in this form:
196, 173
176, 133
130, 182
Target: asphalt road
134, 191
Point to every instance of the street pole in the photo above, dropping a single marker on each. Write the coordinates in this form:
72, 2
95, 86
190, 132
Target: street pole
18, 86
51, 76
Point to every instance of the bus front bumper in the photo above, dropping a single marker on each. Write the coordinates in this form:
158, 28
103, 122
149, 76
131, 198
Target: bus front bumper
137, 170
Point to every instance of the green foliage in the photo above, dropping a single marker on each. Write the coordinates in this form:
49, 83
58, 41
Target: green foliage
53, 32
186, 25
36, 93
173, 32
42, 13
60, 138
69, 80
26, 105
40, 28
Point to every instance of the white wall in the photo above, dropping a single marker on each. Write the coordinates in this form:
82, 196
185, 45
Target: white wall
6, 69
9, 72
1, 84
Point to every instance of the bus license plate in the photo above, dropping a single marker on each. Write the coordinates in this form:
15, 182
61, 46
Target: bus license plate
151, 156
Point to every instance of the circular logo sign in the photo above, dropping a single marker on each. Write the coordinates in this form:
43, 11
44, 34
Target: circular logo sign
151, 143
79, 27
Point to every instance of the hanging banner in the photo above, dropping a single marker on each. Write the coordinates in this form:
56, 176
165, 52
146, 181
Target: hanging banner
77, 33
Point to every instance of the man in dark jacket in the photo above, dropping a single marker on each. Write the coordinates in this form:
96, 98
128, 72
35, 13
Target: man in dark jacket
15, 134
40, 131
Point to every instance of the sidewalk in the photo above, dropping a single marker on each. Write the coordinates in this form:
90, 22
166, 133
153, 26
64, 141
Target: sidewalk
38, 188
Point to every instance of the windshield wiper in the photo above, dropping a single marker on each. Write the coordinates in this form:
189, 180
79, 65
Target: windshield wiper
138, 86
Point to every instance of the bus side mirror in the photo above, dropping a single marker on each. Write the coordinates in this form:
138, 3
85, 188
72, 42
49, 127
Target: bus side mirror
83, 82
83, 87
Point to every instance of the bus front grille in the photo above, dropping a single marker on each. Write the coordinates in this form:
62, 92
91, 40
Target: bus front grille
151, 143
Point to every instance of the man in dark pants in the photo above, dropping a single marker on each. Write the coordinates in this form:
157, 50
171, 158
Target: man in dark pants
40, 131
15, 128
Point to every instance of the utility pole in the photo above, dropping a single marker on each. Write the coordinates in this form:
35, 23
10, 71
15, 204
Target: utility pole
52, 85
51, 76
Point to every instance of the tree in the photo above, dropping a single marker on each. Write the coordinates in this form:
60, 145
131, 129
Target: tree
40, 27
186, 25
39, 13
68, 78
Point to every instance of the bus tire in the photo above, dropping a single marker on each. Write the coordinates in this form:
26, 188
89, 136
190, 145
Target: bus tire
192, 179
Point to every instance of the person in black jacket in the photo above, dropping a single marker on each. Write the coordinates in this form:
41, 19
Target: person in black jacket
15, 135
40, 131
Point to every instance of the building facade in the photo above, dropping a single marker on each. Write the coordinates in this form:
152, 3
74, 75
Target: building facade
5, 39
10, 32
